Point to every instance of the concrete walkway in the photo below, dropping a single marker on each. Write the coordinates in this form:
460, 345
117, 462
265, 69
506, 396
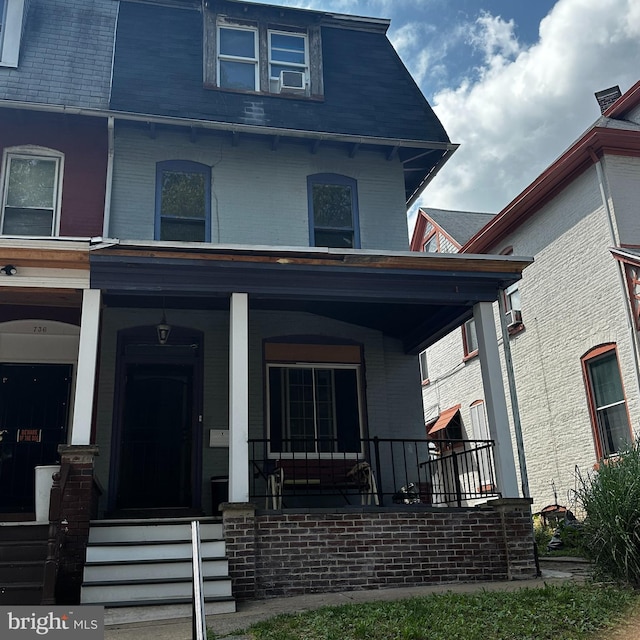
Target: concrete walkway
257, 610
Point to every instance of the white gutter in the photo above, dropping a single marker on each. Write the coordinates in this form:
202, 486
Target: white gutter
106, 218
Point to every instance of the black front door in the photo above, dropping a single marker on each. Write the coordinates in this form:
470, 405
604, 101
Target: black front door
156, 443
34, 411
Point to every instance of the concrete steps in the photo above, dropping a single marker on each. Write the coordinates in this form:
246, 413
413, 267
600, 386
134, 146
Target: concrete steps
141, 570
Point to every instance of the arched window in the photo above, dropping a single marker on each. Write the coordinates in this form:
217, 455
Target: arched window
183, 201
31, 191
607, 402
333, 211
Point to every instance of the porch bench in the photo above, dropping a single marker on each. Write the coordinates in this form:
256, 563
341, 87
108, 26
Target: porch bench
334, 475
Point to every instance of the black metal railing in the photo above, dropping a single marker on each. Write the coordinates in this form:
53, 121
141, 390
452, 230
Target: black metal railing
326, 472
462, 470
56, 535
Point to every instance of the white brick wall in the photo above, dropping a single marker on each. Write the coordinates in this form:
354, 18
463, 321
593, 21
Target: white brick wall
259, 196
572, 301
622, 178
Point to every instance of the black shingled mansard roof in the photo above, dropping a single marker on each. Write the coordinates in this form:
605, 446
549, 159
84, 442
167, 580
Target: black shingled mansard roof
369, 96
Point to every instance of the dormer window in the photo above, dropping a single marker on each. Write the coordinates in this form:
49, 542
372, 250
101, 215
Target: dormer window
287, 53
12, 14
238, 58
260, 56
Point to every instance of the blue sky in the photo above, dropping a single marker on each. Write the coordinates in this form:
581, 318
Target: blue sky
511, 80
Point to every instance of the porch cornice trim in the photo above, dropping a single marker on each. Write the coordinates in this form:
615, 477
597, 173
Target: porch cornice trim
135, 274
160, 253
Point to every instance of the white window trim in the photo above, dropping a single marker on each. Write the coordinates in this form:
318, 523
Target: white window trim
508, 292
469, 353
351, 455
301, 67
32, 151
424, 368
255, 60
11, 34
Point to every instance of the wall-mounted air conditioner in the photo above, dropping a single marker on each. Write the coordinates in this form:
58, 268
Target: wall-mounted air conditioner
291, 82
514, 318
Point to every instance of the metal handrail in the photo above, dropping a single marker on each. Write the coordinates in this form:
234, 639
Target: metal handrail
198, 620
55, 537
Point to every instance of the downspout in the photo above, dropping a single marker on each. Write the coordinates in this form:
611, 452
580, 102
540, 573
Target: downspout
106, 218
620, 267
515, 407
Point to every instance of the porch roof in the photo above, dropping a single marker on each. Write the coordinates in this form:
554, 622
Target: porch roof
414, 297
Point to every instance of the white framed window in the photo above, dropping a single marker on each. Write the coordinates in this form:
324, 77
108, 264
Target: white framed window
12, 13
31, 191
469, 338
607, 400
512, 298
513, 308
238, 58
424, 370
314, 408
287, 52
483, 453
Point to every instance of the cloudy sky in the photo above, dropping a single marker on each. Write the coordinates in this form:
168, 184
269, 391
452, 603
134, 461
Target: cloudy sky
511, 80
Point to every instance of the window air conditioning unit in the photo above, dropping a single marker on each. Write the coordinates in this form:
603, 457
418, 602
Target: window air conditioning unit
514, 318
291, 82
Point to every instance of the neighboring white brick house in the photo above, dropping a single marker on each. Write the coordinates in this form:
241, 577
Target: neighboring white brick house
579, 220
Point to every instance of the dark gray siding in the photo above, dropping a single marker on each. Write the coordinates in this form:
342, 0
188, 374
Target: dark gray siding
158, 70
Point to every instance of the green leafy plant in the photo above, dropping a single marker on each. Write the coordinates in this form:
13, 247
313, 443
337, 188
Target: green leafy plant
610, 498
542, 534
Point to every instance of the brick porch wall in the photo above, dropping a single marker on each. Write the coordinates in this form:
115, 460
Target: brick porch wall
294, 552
76, 509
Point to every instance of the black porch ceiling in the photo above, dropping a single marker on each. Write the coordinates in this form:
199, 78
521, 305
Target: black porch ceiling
406, 296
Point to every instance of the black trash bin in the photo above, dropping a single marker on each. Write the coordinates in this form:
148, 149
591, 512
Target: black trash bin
219, 493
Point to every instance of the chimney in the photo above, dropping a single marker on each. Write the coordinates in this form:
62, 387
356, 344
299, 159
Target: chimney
607, 97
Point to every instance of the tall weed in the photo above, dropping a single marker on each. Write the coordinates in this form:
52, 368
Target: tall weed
610, 498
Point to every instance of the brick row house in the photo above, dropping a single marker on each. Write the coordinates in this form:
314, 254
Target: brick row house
570, 327
209, 312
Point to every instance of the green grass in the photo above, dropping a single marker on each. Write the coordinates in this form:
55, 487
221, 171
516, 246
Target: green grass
555, 612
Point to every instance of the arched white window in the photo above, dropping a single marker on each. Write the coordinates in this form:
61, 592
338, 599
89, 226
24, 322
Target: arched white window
31, 191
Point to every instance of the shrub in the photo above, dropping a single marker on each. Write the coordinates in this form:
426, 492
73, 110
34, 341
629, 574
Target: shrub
542, 534
611, 500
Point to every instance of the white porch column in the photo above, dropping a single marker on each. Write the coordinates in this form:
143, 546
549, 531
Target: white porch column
495, 399
86, 372
239, 398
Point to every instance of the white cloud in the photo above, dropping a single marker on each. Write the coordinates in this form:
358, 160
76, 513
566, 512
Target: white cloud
526, 106
495, 37
425, 62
